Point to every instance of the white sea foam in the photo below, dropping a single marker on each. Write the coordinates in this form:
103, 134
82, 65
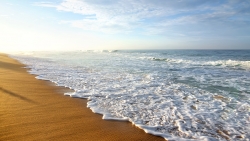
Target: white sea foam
222, 63
178, 100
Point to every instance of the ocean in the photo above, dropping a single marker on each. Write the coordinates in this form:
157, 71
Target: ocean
176, 94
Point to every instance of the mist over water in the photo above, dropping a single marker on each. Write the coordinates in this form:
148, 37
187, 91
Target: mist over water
177, 94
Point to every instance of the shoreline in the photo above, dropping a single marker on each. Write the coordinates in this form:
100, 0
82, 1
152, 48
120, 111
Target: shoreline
33, 109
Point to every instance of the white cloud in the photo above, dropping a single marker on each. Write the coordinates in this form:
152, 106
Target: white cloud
4, 15
45, 4
153, 17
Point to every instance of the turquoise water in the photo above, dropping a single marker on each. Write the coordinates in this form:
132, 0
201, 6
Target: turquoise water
177, 94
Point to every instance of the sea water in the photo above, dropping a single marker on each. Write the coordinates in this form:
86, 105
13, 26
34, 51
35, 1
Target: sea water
176, 94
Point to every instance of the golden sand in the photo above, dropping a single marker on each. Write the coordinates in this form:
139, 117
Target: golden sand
31, 109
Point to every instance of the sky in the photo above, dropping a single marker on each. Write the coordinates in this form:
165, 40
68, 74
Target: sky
124, 24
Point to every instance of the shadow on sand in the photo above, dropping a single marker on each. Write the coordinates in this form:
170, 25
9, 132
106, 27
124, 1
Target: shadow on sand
17, 95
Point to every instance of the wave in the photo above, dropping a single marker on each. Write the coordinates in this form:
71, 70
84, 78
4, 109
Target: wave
152, 101
218, 63
230, 63
92, 51
160, 59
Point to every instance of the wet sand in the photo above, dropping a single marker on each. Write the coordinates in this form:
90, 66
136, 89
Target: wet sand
32, 109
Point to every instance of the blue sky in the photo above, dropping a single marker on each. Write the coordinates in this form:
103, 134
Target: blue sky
124, 24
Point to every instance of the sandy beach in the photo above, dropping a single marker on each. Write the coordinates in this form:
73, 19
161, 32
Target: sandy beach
32, 109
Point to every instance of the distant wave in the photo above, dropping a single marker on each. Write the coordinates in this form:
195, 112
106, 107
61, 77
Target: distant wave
160, 59
222, 63
230, 63
91, 51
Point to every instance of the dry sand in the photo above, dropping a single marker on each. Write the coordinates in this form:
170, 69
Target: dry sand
31, 109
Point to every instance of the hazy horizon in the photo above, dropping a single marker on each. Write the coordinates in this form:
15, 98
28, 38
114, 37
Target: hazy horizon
124, 25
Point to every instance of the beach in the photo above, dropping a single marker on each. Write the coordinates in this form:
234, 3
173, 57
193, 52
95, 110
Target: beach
32, 109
